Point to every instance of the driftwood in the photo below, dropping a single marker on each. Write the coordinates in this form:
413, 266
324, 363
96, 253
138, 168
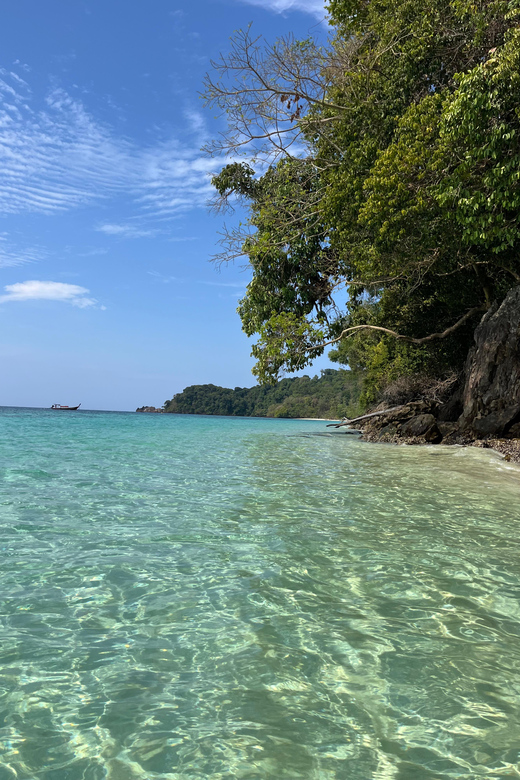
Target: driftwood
365, 417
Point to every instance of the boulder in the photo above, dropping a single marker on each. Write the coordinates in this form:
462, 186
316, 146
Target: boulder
388, 433
433, 435
419, 425
496, 423
514, 431
448, 431
451, 410
399, 415
491, 397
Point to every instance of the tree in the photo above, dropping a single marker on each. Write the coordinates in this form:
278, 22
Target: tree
403, 197
334, 394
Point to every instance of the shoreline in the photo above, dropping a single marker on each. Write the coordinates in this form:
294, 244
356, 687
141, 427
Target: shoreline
507, 449
429, 422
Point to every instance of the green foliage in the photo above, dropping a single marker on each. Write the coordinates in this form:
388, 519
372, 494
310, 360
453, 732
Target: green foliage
403, 212
333, 395
481, 132
285, 341
235, 178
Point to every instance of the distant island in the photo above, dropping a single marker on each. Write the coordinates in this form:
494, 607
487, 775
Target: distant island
332, 395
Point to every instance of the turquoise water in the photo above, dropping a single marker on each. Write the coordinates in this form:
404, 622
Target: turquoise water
192, 597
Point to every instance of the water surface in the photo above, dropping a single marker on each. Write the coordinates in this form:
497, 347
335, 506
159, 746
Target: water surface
190, 597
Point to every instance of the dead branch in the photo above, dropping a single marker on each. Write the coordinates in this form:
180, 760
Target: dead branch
267, 92
365, 417
410, 339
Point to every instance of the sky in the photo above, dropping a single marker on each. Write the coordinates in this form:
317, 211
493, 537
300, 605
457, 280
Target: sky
108, 297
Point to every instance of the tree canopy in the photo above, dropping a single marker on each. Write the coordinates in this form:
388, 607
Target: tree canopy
381, 173
334, 394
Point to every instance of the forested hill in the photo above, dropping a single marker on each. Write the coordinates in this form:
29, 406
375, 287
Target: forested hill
334, 394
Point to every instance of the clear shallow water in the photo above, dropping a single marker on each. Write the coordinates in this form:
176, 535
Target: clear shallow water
186, 597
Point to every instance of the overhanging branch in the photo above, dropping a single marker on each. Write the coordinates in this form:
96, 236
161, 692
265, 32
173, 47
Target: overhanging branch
431, 337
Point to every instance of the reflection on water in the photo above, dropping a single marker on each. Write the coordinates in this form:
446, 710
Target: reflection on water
194, 598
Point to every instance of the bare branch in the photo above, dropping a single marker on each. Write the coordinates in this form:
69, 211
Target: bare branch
423, 340
266, 92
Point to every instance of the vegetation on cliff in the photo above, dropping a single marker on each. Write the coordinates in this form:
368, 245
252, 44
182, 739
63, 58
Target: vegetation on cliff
334, 394
381, 176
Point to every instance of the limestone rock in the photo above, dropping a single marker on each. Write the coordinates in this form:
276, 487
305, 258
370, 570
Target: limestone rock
419, 425
491, 398
448, 431
433, 435
451, 410
514, 431
388, 432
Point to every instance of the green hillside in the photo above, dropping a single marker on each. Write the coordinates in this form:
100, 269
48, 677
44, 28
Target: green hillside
334, 394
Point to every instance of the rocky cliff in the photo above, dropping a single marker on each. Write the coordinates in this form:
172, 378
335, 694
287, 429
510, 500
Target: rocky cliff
491, 397
482, 407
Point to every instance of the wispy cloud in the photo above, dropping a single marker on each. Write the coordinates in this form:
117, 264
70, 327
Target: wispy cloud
93, 252
22, 65
162, 278
125, 231
239, 286
12, 256
58, 157
195, 120
314, 7
33, 290
175, 179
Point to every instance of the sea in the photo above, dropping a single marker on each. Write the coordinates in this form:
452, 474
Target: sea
189, 597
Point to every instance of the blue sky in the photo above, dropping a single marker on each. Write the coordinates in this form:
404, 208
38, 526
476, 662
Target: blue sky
107, 295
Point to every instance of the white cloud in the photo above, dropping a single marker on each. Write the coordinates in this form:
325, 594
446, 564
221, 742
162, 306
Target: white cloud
239, 285
314, 7
11, 256
195, 120
125, 231
93, 252
22, 65
48, 291
60, 157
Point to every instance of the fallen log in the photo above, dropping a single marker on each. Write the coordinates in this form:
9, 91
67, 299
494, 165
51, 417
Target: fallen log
365, 417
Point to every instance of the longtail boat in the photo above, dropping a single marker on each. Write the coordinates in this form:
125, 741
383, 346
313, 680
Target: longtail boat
60, 408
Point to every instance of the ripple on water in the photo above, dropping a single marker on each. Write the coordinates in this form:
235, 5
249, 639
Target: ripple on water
229, 598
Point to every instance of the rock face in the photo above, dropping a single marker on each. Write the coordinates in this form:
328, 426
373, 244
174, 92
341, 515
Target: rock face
491, 397
485, 405
422, 425
150, 409
414, 422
